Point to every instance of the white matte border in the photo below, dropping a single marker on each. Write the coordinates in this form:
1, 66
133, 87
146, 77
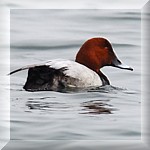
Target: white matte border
64, 4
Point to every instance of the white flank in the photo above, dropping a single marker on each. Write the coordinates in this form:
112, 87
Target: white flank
86, 76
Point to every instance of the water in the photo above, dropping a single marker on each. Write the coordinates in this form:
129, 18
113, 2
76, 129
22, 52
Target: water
106, 113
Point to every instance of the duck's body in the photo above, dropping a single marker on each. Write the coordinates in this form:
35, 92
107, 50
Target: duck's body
83, 72
59, 74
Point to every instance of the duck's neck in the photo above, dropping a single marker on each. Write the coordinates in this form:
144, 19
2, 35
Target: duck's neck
104, 79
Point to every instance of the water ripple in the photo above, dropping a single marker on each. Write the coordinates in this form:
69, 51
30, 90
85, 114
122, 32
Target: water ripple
106, 89
44, 47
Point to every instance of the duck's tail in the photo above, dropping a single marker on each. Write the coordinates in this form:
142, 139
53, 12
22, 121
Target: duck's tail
20, 69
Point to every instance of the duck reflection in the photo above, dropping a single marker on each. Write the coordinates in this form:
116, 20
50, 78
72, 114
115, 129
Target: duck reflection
44, 105
97, 107
88, 107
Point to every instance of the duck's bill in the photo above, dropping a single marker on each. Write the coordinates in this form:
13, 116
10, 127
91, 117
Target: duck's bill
121, 65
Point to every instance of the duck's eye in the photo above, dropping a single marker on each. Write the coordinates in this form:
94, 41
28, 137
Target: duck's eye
106, 47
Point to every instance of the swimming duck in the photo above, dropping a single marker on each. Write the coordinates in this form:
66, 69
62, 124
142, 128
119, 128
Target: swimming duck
58, 74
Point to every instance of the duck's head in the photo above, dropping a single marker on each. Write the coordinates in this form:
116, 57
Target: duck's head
97, 53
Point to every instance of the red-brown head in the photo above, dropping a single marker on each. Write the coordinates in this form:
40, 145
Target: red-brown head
97, 53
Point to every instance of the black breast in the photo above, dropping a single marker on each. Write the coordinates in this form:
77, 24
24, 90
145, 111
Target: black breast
104, 79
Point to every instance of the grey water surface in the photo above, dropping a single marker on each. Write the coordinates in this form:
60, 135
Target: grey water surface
103, 113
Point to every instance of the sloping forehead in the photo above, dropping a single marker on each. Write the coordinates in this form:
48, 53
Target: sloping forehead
102, 42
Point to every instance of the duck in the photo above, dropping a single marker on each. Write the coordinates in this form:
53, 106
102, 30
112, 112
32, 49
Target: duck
84, 72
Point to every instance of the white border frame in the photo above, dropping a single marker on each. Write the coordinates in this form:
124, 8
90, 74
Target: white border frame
5, 26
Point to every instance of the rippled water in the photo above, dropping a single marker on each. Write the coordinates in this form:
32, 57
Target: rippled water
105, 113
